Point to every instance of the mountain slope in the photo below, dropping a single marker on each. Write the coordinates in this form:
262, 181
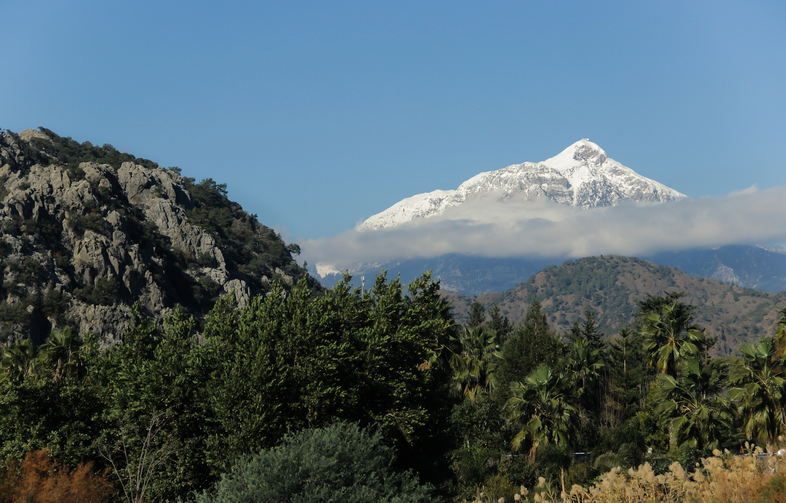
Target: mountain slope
741, 265
582, 176
86, 232
463, 274
611, 286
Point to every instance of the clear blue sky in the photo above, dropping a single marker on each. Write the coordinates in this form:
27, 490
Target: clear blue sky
318, 114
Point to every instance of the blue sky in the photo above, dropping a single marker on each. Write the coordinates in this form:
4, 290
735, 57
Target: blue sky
319, 114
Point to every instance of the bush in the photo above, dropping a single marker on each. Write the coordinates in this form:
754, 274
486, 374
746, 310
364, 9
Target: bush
339, 463
40, 479
92, 220
105, 292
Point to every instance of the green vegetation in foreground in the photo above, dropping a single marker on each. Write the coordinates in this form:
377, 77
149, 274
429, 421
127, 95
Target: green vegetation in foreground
378, 394
340, 463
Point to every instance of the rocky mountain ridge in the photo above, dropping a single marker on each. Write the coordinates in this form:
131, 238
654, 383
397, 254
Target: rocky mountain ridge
582, 176
88, 232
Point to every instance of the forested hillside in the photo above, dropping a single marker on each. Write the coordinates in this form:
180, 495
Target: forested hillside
612, 286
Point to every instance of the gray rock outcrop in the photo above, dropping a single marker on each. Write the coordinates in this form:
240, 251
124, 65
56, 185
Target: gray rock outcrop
83, 242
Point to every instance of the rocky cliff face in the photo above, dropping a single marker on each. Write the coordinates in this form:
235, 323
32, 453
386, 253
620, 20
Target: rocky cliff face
88, 232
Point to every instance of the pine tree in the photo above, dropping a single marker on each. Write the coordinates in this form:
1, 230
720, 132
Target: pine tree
530, 345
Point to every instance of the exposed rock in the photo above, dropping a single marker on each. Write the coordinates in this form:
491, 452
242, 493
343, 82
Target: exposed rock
240, 290
87, 232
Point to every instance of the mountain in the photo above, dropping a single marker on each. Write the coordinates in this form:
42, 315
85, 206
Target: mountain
741, 265
463, 274
581, 176
87, 232
611, 286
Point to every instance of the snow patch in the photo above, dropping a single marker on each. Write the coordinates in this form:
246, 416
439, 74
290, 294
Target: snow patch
582, 176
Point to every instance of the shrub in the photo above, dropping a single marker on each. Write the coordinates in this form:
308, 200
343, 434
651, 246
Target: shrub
104, 292
92, 220
40, 479
339, 463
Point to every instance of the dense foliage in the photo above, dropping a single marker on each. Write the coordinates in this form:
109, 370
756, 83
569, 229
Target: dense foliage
570, 406
183, 403
240, 397
340, 463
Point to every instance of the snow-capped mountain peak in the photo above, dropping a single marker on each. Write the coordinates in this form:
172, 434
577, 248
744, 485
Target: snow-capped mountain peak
582, 175
582, 150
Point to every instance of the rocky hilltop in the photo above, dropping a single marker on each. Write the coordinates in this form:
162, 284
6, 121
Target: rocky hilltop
581, 176
88, 232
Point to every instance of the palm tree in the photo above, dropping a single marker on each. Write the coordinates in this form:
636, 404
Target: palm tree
61, 352
779, 339
584, 367
760, 391
693, 407
19, 358
540, 411
670, 336
474, 366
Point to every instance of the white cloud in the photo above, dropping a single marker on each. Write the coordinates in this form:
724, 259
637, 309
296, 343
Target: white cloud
509, 229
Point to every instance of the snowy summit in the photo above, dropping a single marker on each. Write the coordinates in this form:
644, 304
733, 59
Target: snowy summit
582, 176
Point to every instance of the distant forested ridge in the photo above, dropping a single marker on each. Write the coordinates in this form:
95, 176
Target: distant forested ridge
611, 286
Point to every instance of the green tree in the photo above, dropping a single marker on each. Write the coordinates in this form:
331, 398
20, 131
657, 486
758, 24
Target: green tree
19, 359
337, 463
41, 408
61, 353
628, 377
530, 345
759, 390
540, 411
670, 336
164, 373
583, 369
499, 323
302, 359
693, 407
475, 364
477, 315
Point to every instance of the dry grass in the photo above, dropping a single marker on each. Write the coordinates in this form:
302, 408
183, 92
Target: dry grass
721, 478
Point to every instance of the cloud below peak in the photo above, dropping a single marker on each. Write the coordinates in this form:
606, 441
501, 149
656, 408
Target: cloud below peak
492, 228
